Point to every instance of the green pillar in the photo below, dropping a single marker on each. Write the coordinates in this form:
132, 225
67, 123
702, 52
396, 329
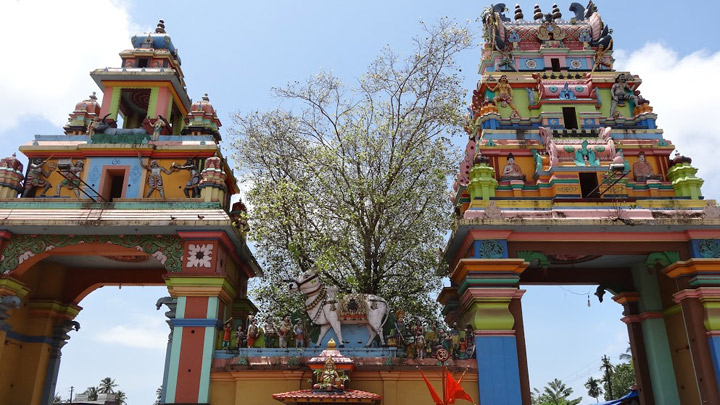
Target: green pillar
482, 182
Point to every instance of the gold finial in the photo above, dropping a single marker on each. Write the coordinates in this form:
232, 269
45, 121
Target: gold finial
331, 344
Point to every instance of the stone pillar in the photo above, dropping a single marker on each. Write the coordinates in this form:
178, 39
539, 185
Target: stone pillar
633, 319
488, 301
171, 303
59, 338
699, 298
195, 330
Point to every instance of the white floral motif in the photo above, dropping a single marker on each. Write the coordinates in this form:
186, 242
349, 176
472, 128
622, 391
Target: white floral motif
199, 255
160, 256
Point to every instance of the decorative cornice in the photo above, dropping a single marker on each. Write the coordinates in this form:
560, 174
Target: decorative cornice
703, 294
53, 309
692, 267
642, 317
200, 286
626, 297
487, 266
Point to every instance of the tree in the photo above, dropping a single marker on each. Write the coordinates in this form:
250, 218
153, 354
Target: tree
106, 386
627, 355
57, 399
351, 180
594, 388
555, 393
622, 378
92, 393
120, 397
608, 368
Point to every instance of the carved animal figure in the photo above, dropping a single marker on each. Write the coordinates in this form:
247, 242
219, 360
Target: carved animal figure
104, 128
324, 311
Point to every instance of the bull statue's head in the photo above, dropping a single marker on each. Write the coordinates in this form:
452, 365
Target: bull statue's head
306, 283
102, 126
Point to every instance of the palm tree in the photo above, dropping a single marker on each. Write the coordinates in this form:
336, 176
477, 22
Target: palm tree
607, 367
120, 397
594, 389
627, 356
557, 393
106, 386
92, 393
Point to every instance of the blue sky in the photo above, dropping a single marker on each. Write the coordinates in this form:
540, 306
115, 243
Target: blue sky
237, 50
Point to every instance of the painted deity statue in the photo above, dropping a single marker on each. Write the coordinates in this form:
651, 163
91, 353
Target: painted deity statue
643, 171
600, 59
226, 335
506, 59
158, 127
299, 331
270, 332
74, 182
503, 95
399, 328
193, 185
154, 178
328, 378
240, 337
419, 335
620, 92
284, 331
512, 171
34, 178
253, 331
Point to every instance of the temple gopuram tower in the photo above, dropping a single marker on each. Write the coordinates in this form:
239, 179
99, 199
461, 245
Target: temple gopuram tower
135, 192
568, 180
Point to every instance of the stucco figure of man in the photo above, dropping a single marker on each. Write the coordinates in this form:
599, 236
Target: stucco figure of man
270, 332
34, 178
192, 187
506, 59
240, 337
503, 94
226, 335
419, 335
252, 333
299, 330
642, 170
621, 91
154, 178
512, 171
600, 59
73, 183
284, 331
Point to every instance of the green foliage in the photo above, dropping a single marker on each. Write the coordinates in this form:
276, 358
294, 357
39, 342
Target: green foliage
351, 180
622, 379
594, 388
107, 386
555, 393
92, 393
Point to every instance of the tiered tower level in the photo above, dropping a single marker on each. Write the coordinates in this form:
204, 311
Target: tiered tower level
135, 192
568, 180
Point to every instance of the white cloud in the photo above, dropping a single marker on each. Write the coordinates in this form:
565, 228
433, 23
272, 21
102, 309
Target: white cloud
50, 46
683, 92
144, 332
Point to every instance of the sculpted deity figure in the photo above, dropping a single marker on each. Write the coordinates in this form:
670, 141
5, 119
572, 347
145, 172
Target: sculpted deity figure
328, 378
270, 332
621, 91
512, 171
506, 59
226, 335
253, 331
158, 127
74, 182
503, 95
643, 171
284, 331
192, 187
299, 331
240, 337
599, 59
154, 178
34, 180
419, 335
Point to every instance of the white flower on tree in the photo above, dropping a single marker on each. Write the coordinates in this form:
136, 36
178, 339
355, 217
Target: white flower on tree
199, 255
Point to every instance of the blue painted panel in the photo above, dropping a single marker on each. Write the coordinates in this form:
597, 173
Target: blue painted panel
714, 342
490, 249
498, 370
354, 335
577, 64
199, 322
530, 64
95, 169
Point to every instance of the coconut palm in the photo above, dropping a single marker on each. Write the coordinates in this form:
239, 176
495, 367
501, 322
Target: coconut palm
106, 386
92, 393
608, 368
627, 356
556, 393
594, 388
120, 397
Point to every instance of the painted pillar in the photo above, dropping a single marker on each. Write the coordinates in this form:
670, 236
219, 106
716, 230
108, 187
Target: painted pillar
170, 314
489, 300
195, 331
657, 347
699, 298
633, 319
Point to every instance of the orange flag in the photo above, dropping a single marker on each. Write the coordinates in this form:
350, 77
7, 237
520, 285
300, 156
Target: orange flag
454, 390
433, 393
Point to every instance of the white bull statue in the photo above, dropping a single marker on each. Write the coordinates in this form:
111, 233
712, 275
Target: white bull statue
324, 310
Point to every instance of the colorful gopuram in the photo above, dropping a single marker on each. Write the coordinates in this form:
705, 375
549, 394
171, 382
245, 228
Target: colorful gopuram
136, 192
568, 180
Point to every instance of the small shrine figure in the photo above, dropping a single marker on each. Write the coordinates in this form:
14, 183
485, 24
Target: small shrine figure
270, 332
154, 178
506, 60
643, 171
74, 182
600, 59
226, 334
253, 331
399, 328
512, 171
240, 337
299, 331
33, 178
328, 379
503, 94
620, 92
193, 185
419, 335
158, 127
284, 331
